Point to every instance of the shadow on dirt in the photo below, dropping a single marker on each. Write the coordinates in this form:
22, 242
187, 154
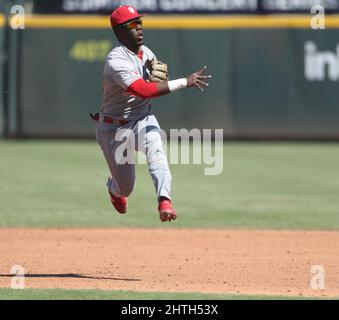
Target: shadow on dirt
66, 275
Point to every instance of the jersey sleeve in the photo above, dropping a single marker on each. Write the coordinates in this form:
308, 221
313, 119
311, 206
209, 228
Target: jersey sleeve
123, 72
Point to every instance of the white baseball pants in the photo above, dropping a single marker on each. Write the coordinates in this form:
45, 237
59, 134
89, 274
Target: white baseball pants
119, 144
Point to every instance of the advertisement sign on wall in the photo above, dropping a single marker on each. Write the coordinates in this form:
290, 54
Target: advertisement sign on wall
186, 6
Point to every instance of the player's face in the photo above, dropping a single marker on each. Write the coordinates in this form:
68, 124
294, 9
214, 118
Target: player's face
131, 34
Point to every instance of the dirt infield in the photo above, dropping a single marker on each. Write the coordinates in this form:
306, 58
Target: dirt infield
212, 261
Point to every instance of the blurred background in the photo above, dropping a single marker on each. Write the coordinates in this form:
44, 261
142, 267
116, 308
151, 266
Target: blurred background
274, 77
274, 92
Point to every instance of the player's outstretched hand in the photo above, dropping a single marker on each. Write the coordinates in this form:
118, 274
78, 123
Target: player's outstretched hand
195, 79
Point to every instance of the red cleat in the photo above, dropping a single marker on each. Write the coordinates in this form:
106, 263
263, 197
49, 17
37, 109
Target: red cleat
120, 204
166, 211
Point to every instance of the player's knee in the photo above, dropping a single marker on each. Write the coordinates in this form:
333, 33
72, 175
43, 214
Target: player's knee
157, 160
155, 152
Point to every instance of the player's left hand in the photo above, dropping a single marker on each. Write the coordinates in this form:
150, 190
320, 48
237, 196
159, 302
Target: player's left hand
158, 70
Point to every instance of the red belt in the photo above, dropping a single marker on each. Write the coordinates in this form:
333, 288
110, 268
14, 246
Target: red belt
108, 119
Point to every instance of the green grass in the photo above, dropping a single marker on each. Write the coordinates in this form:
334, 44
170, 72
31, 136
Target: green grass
65, 294
263, 185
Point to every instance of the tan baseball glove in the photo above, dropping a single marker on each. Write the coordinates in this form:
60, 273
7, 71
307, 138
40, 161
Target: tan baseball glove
158, 70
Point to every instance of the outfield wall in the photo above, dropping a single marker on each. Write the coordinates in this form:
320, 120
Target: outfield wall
272, 77
2, 61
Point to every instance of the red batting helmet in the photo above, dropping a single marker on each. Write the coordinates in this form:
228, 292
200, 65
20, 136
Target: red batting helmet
124, 14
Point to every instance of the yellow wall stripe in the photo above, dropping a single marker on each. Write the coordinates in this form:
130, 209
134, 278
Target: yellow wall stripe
67, 22
231, 22
181, 22
2, 20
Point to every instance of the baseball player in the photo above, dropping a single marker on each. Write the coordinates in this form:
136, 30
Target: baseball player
132, 76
